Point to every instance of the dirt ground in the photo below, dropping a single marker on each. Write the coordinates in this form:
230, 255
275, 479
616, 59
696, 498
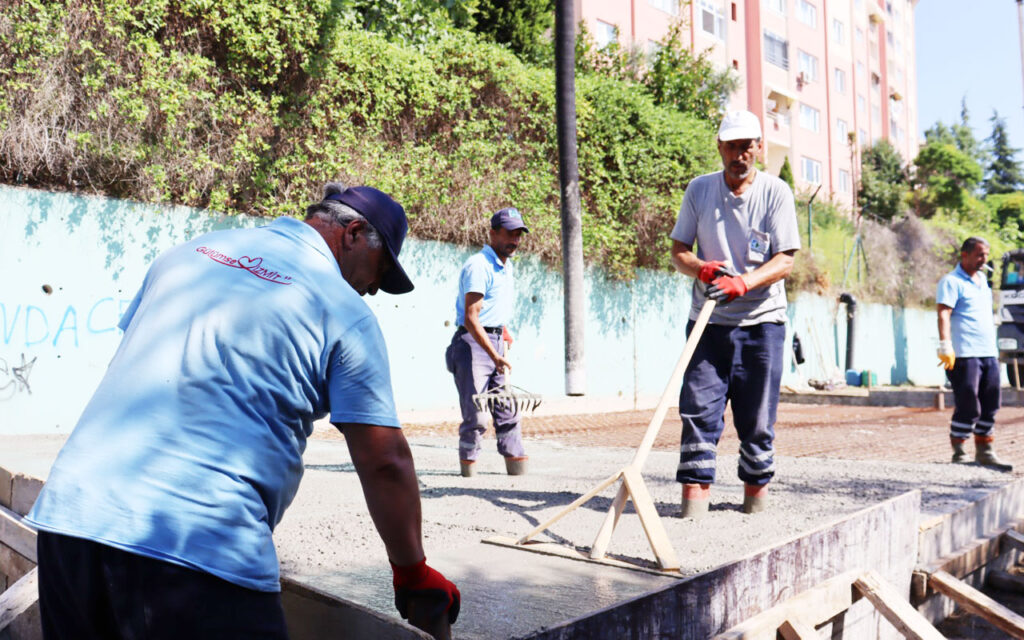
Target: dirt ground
902, 434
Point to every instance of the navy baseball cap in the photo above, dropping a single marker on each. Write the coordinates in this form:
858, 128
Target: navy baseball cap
388, 218
509, 218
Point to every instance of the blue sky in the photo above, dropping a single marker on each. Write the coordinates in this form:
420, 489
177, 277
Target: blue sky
969, 48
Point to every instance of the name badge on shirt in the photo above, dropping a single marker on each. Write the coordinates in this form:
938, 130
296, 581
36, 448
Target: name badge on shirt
758, 246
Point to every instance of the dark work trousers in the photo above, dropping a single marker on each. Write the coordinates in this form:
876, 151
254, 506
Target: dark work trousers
741, 365
474, 372
976, 396
89, 591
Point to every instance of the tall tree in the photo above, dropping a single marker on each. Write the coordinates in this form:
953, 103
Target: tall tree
786, 172
946, 178
1004, 173
689, 83
521, 25
883, 183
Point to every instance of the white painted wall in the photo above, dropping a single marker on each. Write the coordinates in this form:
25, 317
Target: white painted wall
92, 253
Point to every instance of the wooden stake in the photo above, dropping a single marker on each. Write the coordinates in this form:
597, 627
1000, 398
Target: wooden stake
977, 603
895, 608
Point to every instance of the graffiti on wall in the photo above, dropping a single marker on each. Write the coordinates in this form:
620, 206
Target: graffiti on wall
34, 326
14, 377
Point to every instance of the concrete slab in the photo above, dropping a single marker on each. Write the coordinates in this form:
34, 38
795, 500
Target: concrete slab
507, 593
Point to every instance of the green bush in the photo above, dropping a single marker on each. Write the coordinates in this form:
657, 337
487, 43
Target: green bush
252, 106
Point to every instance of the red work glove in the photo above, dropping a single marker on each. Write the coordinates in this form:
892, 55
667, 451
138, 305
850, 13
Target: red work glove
505, 335
420, 581
726, 288
709, 271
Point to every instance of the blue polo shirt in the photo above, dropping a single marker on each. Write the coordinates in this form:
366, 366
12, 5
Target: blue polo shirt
191, 448
484, 273
974, 332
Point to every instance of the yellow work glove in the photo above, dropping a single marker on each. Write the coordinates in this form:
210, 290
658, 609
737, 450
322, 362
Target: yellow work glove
946, 355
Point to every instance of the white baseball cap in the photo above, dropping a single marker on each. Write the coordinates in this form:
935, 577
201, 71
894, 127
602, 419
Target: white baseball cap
739, 125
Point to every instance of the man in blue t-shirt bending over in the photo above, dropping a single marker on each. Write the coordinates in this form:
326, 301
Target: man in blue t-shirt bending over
157, 517
967, 350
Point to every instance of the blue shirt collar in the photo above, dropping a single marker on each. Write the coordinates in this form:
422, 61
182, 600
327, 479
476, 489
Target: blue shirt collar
963, 274
306, 234
488, 251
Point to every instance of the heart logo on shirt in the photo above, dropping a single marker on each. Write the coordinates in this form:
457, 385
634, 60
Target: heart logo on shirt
249, 263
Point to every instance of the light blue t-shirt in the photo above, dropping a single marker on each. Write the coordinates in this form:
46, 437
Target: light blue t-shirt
971, 323
191, 448
484, 273
744, 231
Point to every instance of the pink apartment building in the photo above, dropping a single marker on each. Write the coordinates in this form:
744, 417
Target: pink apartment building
815, 71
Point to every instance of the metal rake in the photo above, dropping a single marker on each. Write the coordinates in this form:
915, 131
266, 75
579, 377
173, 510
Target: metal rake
515, 398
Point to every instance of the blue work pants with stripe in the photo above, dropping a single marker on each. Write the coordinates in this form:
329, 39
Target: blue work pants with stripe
741, 366
474, 373
976, 396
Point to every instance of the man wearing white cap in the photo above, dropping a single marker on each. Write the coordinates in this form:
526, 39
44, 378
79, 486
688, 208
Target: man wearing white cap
743, 223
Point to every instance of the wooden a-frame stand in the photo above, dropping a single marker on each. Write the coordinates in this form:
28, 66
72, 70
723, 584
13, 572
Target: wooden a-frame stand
633, 486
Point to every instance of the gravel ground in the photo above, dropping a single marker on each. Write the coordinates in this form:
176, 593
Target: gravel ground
327, 537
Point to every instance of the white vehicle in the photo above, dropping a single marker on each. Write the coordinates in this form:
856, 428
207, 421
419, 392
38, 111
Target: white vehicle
1010, 332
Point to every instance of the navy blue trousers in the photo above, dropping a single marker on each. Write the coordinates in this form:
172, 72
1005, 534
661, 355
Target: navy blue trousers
741, 366
89, 591
976, 396
474, 372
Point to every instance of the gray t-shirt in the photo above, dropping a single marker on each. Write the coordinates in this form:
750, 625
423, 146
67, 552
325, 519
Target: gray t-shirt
744, 232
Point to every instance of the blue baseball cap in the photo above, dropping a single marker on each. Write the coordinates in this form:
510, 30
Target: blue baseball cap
388, 218
509, 218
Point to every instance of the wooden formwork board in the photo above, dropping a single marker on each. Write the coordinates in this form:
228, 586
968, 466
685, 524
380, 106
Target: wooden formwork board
968, 544
710, 603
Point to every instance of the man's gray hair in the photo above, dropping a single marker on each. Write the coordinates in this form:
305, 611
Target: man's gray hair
334, 212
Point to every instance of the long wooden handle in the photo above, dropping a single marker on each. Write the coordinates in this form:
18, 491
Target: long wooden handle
671, 392
604, 534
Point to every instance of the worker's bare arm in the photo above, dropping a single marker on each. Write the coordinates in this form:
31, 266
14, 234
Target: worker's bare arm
474, 304
777, 268
385, 467
944, 313
685, 260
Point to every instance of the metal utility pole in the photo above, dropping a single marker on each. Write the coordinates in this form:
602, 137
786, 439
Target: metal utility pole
1020, 29
569, 178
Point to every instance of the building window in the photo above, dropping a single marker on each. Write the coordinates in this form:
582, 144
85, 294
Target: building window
712, 19
840, 78
860, 69
807, 65
860, 35
862, 136
777, 5
842, 131
605, 34
876, 114
811, 170
807, 13
776, 50
844, 181
861, 104
838, 31
810, 118
668, 6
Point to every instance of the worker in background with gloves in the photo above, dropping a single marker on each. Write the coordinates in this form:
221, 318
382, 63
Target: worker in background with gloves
743, 222
157, 518
967, 350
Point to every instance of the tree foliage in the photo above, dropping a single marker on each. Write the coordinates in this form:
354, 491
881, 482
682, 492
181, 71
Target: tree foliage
673, 76
1004, 173
883, 183
251, 106
520, 25
959, 135
786, 172
946, 178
